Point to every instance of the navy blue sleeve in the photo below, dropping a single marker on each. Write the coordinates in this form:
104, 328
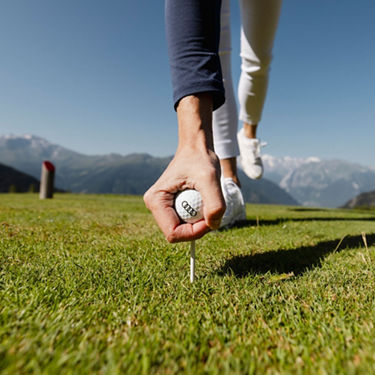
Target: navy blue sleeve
193, 34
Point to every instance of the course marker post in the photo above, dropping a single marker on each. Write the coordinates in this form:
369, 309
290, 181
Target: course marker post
47, 180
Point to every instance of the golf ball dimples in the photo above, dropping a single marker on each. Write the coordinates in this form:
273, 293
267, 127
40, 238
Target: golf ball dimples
189, 206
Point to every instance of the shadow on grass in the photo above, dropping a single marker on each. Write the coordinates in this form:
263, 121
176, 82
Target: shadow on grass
297, 260
254, 223
307, 209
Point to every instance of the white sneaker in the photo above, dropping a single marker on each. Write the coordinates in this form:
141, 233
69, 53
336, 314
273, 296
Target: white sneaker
235, 211
250, 155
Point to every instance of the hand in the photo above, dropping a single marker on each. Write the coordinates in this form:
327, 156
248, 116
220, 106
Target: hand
195, 166
188, 170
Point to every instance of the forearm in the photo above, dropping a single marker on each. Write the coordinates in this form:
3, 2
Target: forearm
193, 28
194, 114
195, 166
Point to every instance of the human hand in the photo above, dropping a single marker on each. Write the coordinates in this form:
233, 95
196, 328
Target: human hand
187, 170
195, 166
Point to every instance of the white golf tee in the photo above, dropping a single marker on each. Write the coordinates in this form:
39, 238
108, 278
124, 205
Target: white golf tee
192, 261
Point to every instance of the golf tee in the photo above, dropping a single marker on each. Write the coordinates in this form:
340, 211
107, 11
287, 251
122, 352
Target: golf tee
192, 261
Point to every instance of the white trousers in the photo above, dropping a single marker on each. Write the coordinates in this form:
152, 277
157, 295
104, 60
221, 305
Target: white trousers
259, 19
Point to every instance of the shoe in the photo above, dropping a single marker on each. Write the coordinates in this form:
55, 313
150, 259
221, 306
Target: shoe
235, 211
250, 155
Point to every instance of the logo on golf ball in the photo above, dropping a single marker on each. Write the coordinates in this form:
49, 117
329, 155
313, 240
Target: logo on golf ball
189, 206
190, 210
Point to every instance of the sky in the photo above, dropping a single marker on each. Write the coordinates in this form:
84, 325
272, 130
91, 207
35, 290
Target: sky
93, 76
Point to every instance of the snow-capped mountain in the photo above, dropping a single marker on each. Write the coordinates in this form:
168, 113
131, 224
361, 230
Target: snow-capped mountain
315, 182
328, 183
38, 145
113, 173
276, 168
310, 181
27, 152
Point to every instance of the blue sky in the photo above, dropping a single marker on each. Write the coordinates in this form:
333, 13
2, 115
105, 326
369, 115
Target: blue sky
93, 76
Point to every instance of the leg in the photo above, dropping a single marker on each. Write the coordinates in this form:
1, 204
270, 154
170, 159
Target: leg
225, 129
259, 24
225, 118
229, 169
250, 130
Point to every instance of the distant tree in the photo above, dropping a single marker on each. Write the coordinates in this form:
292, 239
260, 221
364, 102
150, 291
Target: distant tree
32, 188
12, 188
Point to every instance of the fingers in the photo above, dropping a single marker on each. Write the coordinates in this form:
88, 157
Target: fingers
213, 200
188, 232
213, 206
183, 173
161, 206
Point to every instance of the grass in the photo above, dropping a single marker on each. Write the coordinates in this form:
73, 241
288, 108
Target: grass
89, 285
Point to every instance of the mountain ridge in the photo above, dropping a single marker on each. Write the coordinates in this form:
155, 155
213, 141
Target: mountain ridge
308, 181
363, 200
111, 173
328, 183
13, 180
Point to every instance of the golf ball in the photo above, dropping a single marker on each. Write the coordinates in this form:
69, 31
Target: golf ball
189, 206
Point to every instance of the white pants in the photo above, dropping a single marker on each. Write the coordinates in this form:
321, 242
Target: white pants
259, 20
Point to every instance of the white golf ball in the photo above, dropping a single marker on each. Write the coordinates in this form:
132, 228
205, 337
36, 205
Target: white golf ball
189, 206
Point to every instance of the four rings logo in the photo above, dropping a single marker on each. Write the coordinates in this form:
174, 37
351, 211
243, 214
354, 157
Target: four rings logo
190, 210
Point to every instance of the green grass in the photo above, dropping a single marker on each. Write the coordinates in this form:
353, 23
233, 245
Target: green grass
89, 285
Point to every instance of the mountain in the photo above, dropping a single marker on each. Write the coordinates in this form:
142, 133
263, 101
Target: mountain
328, 183
264, 191
364, 200
113, 173
27, 153
276, 168
315, 182
11, 179
310, 181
